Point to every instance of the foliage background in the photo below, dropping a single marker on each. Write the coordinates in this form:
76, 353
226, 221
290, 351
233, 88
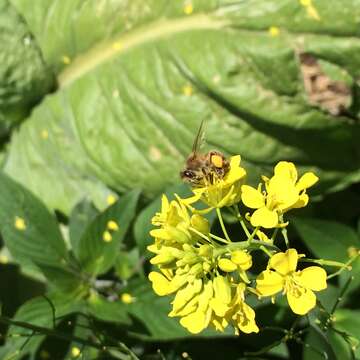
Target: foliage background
103, 98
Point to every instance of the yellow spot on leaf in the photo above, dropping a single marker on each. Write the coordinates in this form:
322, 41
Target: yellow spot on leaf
188, 8
185, 355
115, 94
19, 223
126, 298
112, 225
107, 236
44, 134
4, 259
66, 60
306, 2
216, 79
111, 199
75, 351
187, 90
274, 31
44, 354
155, 153
117, 45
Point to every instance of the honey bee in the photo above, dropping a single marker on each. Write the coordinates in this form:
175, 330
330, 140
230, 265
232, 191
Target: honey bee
201, 169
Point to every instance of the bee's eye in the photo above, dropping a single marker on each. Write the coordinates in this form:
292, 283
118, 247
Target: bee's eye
190, 174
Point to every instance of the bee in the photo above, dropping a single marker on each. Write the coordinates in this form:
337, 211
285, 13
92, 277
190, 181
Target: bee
201, 169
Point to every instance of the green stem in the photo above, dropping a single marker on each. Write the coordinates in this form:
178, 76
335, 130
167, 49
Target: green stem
266, 251
284, 233
218, 238
273, 236
344, 266
203, 236
218, 212
251, 237
241, 220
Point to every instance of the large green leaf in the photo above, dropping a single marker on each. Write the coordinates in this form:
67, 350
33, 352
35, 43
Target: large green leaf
24, 76
327, 239
130, 103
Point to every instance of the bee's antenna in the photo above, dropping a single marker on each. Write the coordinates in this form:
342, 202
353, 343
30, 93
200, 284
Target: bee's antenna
199, 137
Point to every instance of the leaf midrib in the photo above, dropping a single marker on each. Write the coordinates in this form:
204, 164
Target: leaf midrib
104, 51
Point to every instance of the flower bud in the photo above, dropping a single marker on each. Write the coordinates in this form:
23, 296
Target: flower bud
226, 265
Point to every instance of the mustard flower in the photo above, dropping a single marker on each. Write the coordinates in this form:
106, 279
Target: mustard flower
299, 286
282, 192
175, 222
221, 192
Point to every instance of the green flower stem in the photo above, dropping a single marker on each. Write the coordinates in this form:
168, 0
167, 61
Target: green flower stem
203, 236
243, 245
266, 251
328, 262
241, 220
346, 266
284, 233
251, 237
218, 238
273, 236
218, 212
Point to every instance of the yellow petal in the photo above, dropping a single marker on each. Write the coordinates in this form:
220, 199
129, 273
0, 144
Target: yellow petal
282, 193
302, 303
227, 265
286, 169
252, 197
269, 283
265, 218
160, 284
195, 322
284, 263
313, 277
307, 180
242, 259
301, 202
218, 306
164, 203
222, 289
200, 224
247, 323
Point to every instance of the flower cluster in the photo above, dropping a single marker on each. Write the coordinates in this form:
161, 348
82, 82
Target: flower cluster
210, 274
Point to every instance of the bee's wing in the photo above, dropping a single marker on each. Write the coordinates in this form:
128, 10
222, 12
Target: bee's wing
199, 139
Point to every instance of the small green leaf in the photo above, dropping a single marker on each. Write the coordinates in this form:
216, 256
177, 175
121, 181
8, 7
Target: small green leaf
98, 247
106, 310
80, 217
127, 263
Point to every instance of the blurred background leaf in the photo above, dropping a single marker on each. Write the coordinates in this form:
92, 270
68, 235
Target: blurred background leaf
132, 93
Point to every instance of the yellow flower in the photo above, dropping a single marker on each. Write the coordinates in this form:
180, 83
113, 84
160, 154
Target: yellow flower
221, 192
283, 192
241, 314
299, 286
175, 222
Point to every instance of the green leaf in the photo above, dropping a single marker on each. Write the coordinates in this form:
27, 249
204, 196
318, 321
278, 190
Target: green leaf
328, 240
80, 217
40, 312
24, 76
106, 310
30, 232
121, 118
97, 255
348, 321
